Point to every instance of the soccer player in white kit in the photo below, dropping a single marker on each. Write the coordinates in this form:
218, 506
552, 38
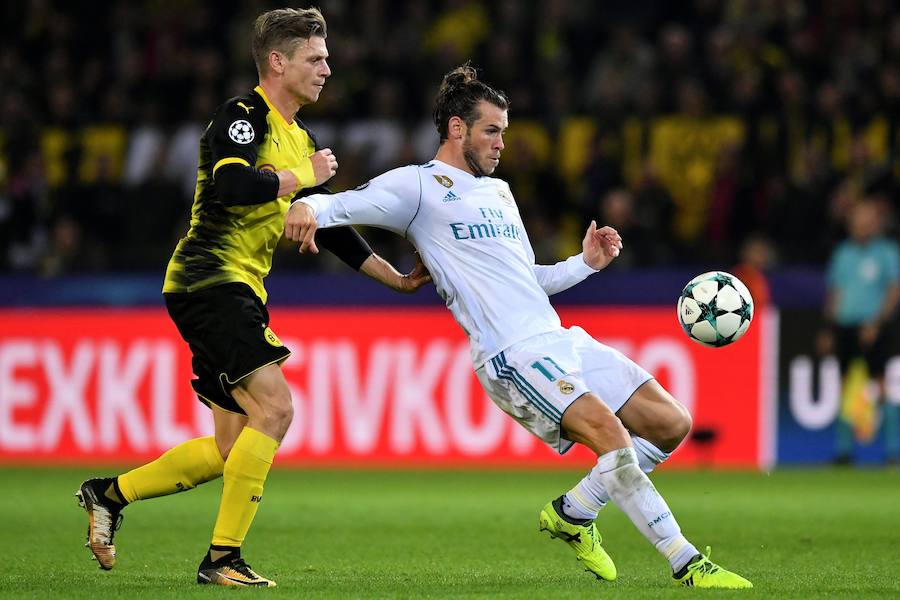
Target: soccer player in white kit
560, 384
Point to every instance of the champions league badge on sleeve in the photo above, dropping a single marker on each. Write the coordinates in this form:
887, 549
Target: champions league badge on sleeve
241, 132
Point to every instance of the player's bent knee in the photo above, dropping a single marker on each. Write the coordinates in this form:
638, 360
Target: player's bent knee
283, 413
270, 414
683, 425
591, 423
672, 431
278, 414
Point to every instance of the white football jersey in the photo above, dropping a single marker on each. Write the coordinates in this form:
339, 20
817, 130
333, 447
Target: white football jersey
470, 236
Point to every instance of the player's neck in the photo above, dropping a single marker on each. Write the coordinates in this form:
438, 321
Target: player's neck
453, 157
286, 105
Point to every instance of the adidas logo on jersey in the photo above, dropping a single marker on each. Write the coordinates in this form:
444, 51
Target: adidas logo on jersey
450, 197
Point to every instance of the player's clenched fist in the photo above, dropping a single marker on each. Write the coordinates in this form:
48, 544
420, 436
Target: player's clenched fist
324, 165
300, 226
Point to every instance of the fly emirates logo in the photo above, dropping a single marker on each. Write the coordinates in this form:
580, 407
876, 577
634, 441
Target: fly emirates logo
495, 227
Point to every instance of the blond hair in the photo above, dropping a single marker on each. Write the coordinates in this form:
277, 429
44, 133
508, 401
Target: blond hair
283, 29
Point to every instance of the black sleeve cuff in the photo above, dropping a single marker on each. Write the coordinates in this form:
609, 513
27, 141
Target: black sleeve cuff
318, 189
239, 185
346, 244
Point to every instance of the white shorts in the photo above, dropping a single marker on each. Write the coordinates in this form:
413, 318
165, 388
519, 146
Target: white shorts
534, 381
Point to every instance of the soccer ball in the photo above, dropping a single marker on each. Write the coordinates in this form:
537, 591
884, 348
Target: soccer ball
715, 309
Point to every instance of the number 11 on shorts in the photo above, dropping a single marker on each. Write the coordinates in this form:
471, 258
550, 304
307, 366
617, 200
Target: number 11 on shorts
545, 369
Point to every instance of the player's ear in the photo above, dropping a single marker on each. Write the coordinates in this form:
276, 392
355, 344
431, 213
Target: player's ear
456, 128
276, 62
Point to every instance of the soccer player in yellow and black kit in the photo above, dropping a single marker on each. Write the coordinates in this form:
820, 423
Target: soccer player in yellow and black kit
255, 157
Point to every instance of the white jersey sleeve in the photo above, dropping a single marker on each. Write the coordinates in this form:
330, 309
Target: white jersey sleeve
389, 201
561, 276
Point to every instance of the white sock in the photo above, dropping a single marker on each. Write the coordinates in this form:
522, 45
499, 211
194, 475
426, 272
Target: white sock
586, 499
634, 494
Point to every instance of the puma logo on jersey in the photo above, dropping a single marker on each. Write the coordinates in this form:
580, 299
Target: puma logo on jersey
245, 107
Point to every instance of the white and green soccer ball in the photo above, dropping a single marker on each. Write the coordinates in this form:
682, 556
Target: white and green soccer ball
715, 309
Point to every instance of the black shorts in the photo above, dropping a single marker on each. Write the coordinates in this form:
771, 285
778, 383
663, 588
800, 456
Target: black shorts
227, 329
848, 348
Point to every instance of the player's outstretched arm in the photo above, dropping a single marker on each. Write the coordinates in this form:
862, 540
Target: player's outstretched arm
600, 246
390, 201
383, 272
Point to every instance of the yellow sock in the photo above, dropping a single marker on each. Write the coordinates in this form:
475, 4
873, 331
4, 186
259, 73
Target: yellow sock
245, 473
182, 468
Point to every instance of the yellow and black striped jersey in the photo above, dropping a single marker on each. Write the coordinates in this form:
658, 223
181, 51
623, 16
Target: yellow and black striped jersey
234, 241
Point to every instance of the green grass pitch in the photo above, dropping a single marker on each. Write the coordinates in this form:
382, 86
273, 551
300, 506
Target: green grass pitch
461, 534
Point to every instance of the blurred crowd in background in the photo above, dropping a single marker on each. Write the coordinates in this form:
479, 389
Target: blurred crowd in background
701, 130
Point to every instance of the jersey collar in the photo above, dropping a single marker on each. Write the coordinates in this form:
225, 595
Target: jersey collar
258, 89
457, 169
